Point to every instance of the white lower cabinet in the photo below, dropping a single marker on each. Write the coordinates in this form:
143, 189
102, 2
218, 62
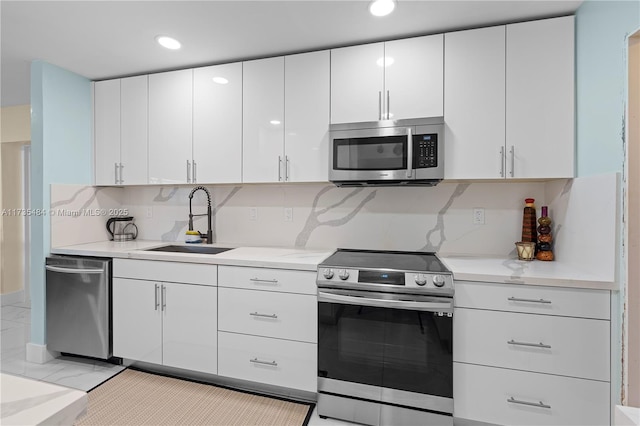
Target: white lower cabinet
531, 355
512, 397
265, 360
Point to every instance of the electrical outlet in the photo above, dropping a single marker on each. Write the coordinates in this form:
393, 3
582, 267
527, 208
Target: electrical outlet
288, 214
253, 213
149, 211
478, 216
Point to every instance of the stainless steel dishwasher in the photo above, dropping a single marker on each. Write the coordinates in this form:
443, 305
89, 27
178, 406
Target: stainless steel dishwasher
79, 305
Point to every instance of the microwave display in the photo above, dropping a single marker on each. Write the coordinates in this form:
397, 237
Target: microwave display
384, 152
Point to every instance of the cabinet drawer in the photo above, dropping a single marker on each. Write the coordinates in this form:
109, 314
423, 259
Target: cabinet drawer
271, 361
533, 299
270, 314
575, 347
176, 272
483, 393
285, 280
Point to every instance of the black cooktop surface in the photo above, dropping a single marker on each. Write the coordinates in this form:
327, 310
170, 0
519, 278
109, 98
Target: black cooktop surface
394, 260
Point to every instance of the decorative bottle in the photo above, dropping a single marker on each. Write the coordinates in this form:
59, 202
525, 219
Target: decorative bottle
529, 233
543, 248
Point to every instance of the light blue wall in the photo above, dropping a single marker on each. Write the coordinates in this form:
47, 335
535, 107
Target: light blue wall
61, 152
601, 28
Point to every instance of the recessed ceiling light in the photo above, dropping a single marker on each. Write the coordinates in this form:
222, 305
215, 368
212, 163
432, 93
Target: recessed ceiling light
385, 61
220, 80
275, 122
168, 42
382, 7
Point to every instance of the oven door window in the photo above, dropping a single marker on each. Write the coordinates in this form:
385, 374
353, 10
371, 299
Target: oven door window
370, 153
391, 348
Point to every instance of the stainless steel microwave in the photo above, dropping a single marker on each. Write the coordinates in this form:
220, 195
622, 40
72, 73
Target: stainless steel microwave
387, 153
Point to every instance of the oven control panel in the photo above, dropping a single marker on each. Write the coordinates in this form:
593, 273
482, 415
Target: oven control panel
384, 280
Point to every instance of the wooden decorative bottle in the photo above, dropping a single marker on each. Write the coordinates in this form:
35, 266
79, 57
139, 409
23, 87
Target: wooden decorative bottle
529, 221
543, 248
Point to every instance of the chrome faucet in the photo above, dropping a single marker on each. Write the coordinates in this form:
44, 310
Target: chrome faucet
209, 235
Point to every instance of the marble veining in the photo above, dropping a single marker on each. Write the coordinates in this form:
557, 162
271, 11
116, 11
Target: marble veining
313, 221
439, 226
93, 191
517, 268
161, 198
11, 408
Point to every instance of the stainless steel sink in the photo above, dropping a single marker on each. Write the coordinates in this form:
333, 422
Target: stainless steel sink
190, 249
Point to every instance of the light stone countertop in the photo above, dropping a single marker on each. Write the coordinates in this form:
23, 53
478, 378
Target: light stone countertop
31, 402
464, 268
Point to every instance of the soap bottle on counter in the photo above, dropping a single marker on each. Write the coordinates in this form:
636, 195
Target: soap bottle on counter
529, 224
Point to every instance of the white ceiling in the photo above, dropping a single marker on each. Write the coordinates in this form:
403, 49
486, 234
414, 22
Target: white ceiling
106, 39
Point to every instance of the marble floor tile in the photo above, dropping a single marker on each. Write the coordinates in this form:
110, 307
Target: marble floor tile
15, 313
24, 368
81, 373
14, 336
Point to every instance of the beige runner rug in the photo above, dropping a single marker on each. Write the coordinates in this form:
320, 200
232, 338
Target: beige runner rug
136, 398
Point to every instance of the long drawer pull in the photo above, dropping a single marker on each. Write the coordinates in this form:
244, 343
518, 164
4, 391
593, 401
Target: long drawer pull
258, 361
539, 404
258, 280
535, 345
517, 299
256, 314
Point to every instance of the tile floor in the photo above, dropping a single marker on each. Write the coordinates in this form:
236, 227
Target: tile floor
73, 372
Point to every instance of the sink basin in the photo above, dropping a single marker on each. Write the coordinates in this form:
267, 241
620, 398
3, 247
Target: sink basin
190, 249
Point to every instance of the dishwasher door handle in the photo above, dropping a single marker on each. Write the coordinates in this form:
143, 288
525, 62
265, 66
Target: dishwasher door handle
73, 270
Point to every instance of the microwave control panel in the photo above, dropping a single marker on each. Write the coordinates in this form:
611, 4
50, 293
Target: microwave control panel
425, 151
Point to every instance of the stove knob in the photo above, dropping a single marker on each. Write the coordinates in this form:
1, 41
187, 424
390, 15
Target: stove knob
343, 274
328, 273
420, 279
438, 280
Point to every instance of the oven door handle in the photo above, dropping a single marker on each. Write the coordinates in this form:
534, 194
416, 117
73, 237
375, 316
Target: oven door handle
324, 296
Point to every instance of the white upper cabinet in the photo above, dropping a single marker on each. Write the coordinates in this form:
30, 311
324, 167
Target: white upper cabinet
306, 138
120, 131
392, 80
263, 120
217, 124
474, 106
106, 127
133, 126
414, 77
540, 98
357, 80
170, 127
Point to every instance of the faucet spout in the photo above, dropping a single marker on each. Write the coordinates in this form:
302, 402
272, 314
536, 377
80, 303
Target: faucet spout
209, 235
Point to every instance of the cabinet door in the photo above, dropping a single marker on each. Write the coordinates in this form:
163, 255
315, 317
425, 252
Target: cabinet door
263, 120
134, 121
540, 98
414, 85
189, 328
106, 127
306, 137
170, 105
137, 320
474, 106
217, 123
357, 83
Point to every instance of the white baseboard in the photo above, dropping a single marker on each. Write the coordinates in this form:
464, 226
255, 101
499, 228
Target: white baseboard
12, 298
39, 353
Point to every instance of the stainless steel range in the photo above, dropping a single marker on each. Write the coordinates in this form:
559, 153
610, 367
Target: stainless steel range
385, 324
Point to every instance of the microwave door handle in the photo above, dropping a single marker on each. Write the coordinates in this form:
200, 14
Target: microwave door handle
409, 153
386, 303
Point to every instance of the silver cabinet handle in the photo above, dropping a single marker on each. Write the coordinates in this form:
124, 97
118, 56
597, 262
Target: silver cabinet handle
258, 280
188, 171
279, 168
164, 297
286, 168
379, 105
156, 299
73, 270
517, 299
388, 107
534, 345
115, 174
258, 361
121, 174
532, 404
256, 314
195, 173
512, 151
409, 153
502, 161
